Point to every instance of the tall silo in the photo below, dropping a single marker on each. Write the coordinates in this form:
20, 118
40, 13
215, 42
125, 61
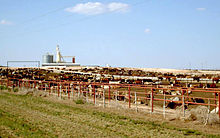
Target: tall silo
47, 58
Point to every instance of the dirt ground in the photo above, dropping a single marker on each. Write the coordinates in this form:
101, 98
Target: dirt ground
49, 116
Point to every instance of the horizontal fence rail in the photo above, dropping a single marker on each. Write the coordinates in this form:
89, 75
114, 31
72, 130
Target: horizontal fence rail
129, 95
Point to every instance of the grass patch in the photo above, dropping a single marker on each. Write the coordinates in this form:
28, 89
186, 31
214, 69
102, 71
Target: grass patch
2, 87
190, 132
79, 101
15, 90
19, 126
28, 116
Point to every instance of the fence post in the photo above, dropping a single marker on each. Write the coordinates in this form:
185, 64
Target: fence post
29, 84
206, 121
39, 84
187, 92
152, 100
32, 85
164, 104
116, 97
208, 105
68, 90
129, 97
215, 100
35, 85
72, 89
51, 88
7, 82
135, 97
145, 95
109, 95
22, 86
104, 97
59, 91
80, 89
94, 98
219, 105
183, 103
87, 100
18, 83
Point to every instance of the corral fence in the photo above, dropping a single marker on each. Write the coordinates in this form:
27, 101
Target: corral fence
145, 97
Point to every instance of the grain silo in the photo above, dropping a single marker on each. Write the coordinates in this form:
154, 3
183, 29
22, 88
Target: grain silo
48, 61
47, 58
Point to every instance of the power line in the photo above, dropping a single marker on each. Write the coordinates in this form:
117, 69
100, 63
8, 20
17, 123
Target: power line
69, 23
44, 14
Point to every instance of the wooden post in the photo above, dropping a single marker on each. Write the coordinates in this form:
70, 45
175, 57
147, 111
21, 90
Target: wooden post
58, 90
187, 92
219, 105
164, 104
18, 83
116, 97
73, 90
49, 88
109, 96
87, 100
103, 97
145, 94
206, 121
129, 97
94, 98
80, 89
23, 85
61, 90
28, 83
68, 90
135, 94
215, 100
7, 82
35, 84
152, 100
183, 103
208, 105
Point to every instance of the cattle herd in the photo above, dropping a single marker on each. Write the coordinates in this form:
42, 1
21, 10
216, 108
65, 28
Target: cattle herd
122, 76
114, 75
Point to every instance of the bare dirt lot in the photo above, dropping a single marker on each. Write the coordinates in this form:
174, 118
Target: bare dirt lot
32, 116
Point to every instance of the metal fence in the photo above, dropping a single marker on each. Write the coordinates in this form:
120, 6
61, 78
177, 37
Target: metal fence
147, 97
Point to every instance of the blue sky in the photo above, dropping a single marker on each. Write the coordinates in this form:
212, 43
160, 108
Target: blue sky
139, 33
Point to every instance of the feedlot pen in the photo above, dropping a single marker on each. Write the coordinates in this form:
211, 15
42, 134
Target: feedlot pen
153, 99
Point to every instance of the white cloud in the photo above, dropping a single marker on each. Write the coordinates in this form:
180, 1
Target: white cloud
5, 22
94, 8
119, 7
200, 9
147, 30
90, 8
